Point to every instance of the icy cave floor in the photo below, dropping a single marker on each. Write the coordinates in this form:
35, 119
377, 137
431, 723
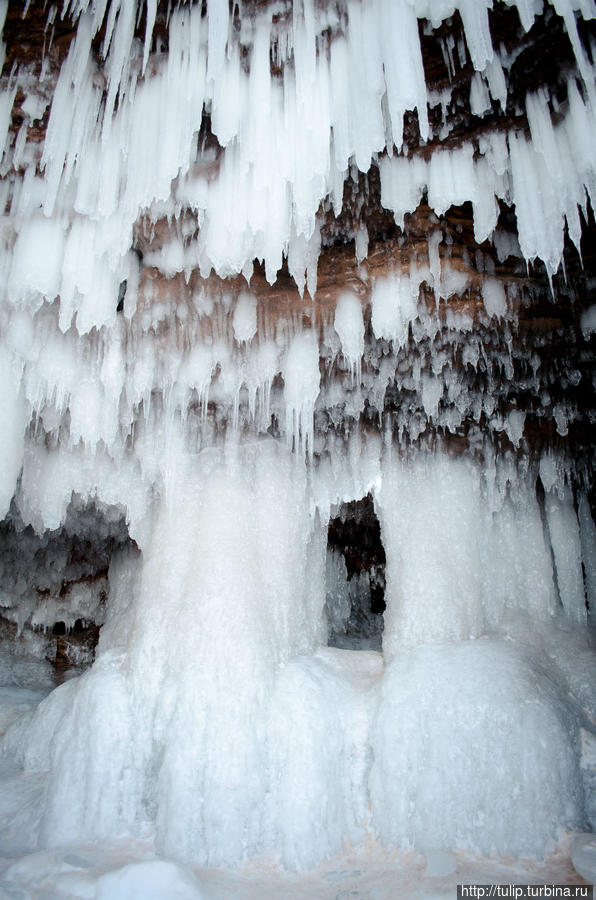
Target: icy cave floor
130, 868
110, 871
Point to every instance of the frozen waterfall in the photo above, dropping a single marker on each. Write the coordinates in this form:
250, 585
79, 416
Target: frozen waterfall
306, 453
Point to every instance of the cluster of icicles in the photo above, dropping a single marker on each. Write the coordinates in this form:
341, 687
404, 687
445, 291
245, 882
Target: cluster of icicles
123, 141
80, 381
102, 415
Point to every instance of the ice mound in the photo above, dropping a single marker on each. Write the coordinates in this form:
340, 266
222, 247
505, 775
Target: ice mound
583, 856
474, 747
152, 880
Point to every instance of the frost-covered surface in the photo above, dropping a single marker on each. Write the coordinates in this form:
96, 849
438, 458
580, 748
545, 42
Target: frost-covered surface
134, 871
176, 411
583, 854
24, 681
102, 417
95, 402
60, 575
351, 621
285, 144
133, 868
213, 717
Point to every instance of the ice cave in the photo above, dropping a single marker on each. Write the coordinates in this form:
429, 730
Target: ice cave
297, 372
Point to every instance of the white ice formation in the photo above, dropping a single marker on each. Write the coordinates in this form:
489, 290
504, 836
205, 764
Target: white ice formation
221, 436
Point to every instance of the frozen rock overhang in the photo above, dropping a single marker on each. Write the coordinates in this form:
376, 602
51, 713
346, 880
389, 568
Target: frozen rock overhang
267, 109
176, 180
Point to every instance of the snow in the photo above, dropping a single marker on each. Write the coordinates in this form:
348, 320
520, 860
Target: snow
151, 880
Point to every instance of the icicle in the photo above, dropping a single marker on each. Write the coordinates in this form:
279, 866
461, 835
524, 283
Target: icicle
565, 9
3, 11
301, 388
244, 320
349, 325
474, 15
394, 307
434, 263
151, 12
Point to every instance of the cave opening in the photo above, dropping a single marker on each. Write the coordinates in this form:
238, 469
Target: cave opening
355, 577
54, 584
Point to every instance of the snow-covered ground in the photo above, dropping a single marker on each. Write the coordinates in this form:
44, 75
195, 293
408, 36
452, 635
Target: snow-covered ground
129, 870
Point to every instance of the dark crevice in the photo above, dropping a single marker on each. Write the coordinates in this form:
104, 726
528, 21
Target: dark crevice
355, 589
